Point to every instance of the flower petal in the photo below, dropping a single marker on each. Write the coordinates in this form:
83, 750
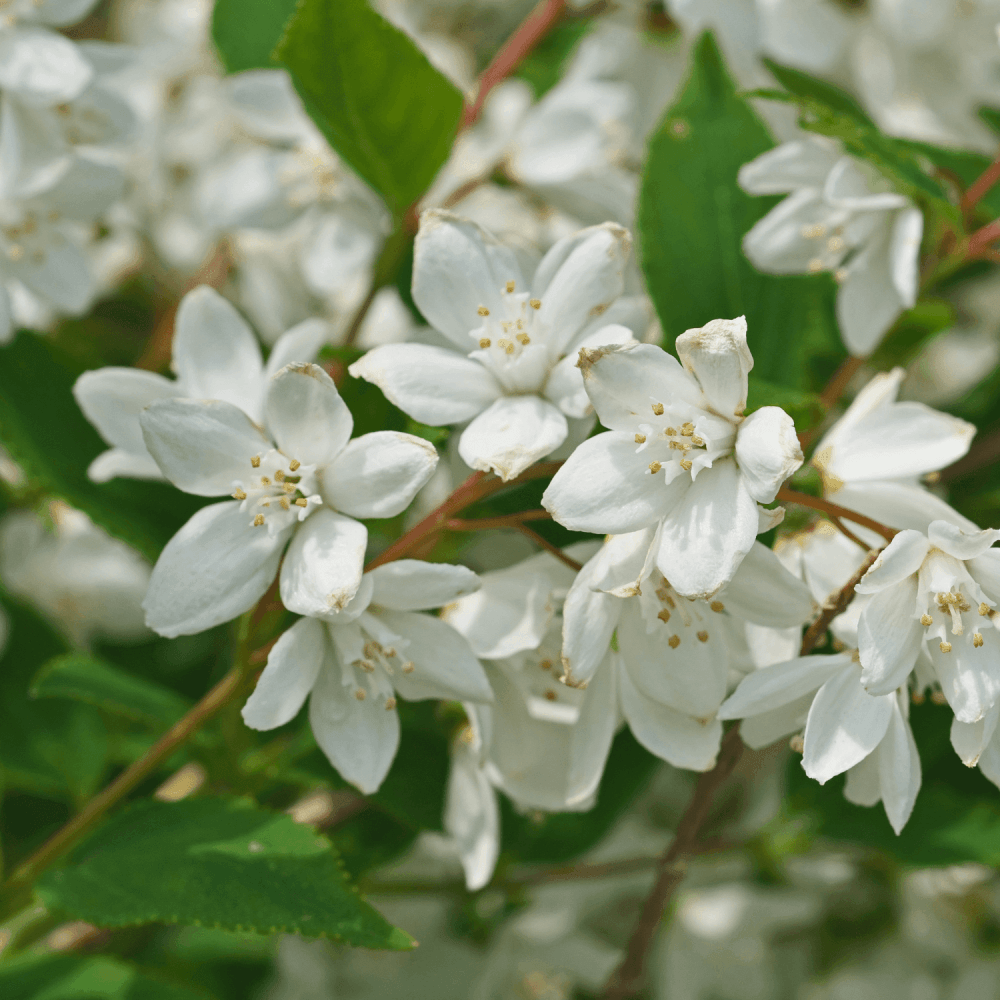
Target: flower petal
763, 592
898, 768
472, 817
299, 344
868, 302
42, 67
970, 677
792, 165
706, 537
758, 731
289, 675
414, 585
306, 415
605, 487
323, 568
565, 385
593, 733
901, 558
444, 663
718, 357
431, 384
622, 562
844, 726
898, 504
359, 738
889, 637
864, 786
767, 451
589, 621
958, 543
781, 684
512, 434
970, 739
113, 398
216, 355
202, 445
904, 255
117, 462
214, 568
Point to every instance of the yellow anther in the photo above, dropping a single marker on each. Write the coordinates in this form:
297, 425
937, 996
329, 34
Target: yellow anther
484, 342
655, 467
945, 647
360, 694
686, 464
367, 666
926, 620
294, 464
258, 520
535, 303
938, 697
546, 664
523, 338
687, 429
285, 505
797, 744
658, 409
302, 502
640, 439
279, 476
835, 244
815, 265
510, 287
698, 442
977, 639
15, 252
288, 487
506, 345
717, 606
703, 637
984, 609
255, 461
814, 232
264, 481
917, 698
408, 667
674, 641
239, 494
664, 615
483, 311
550, 695
390, 704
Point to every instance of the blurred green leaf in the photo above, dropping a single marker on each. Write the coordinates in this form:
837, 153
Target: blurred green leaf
911, 332
246, 31
81, 677
805, 408
382, 106
47, 435
216, 863
543, 67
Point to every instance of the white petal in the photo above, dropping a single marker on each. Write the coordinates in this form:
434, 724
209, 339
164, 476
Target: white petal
718, 357
593, 733
970, 677
117, 462
868, 303
458, 267
113, 398
444, 663
970, 739
359, 738
762, 730
201, 445
985, 569
289, 675
989, 762
378, 474
845, 724
214, 568
589, 620
579, 278
306, 415
85, 190
605, 487
216, 355
904, 254
565, 385
414, 585
763, 592
781, 684
898, 504
431, 384
622, 562
767, 451
899, 769
472, 817
62, 277
300, 344
512, 434
889, 637
901, 558
706, 537
864, 785
624, 381
678, 739
777, 243
792, 165
958, 543
322, 570
41, 66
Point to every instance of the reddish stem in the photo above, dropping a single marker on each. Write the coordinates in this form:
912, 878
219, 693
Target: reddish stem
504, 521
981, 186
981, 239
834, 511
544, 543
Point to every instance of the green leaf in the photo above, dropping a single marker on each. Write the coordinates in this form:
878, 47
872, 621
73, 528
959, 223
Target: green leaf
246, 31
81, 677
73, 977
543, 67
692, 219
47, 435
216, 863
373, 94
805, 408
805, 86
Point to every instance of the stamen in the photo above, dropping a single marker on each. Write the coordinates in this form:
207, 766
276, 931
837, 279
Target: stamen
671, 432
945, 647
658, 409
279, 476
546, 664
698, 442
483, 311
265, 481
926, 620
367, 666
258, 521
984, 609
302, 502
640, 439
717, 606
687, 429
674, 641
535, 303
815, 265
390, 704
550, 695
655, 467
507, 345
255, 461
484, 342
294, 464
686, 464
360, 694
408, 667
664, 616
288, 487
285, 505
977, 639
523, 338
239, 494
703, 637
510, 287
797, 744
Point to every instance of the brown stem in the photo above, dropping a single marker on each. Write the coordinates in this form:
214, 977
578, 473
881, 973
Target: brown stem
839, 381
533, 28
627, 978
833, 511
504, 521
544, 543
174, 737
834, 606
984, 451
477, 487
844, 530
980, 240
354, 327
981, 186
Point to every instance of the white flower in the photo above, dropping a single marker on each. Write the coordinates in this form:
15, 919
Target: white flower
872, 458
288, 486
679, 454
353, 663
512, 372
215, 356
89, 584
935, 595
676, 655
838, 217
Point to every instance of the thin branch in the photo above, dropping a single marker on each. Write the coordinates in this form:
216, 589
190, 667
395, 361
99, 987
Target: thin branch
980, 240
832, 510
504, 521
549, 547
984, 451
354, 327
839, 381
981, 186
626, 979
835, 605
844, 530
532, 30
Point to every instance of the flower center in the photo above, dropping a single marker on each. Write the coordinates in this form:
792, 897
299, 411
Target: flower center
278, 491
28, 239
511, 344
684, 619
949, 594
377, 661
681, 439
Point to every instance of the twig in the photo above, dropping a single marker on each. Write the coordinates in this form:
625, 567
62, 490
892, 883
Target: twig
524, 39
981, 186
839, 381
354, 327
848, 533
980, 240
834, 606
833, 511
626, 979
504, 521
549, 547
983, 452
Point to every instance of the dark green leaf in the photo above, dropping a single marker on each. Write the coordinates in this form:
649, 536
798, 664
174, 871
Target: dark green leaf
911, 332
373, 94
246, 31
543, 67
805, 86
216, 863
805, 408
81, 677
47, 435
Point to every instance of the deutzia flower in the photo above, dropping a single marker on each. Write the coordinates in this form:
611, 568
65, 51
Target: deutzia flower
352, 661
512, 372
838, 217
215, 356
679, 454
872, 458
936, 594
288, 484
846, 729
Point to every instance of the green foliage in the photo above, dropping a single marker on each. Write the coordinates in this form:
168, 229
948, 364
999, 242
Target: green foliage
246, 31
805, 408
73, 977
373, 94
692, 219
911, 332
46, 434
543, 67
217, 863
85, 678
